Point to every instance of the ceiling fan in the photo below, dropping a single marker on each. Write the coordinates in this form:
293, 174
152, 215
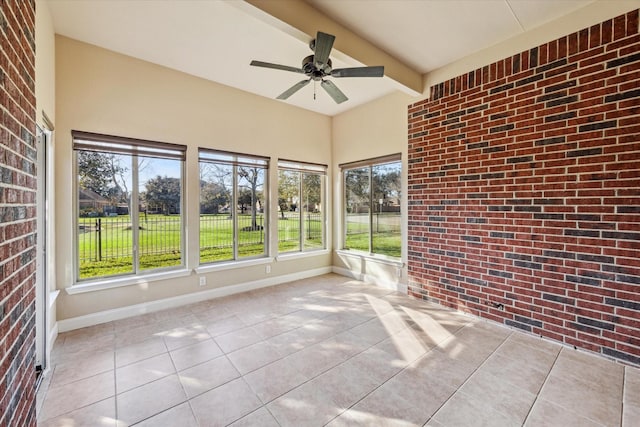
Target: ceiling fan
318, 66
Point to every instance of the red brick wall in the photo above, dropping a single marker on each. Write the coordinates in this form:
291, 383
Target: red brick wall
17, 212
524, 191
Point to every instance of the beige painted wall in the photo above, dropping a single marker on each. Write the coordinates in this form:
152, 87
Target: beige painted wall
45, 86
45, 63
105, 92
375, 129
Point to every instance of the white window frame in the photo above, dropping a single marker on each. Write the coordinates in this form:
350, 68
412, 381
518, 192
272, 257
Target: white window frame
236, 160
307, 168
136, 148
370, 164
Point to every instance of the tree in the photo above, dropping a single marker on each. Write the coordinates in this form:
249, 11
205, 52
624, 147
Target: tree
163, 191
244, 199
357, 190
288, 188
312, 191
212, 196
386, 183
254, 177
103, 174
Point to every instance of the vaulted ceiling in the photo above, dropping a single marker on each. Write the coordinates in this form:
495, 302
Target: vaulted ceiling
216, 40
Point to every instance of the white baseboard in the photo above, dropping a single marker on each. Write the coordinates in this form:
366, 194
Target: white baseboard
53, 336
387, 284
70, 324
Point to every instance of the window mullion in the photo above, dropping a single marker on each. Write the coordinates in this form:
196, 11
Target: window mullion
133, 213
234, 212
300, 212
370, 209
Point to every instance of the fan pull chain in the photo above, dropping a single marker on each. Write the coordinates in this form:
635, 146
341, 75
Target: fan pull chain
315, 85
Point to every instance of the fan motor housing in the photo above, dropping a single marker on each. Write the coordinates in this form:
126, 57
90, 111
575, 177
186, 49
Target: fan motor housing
312, 71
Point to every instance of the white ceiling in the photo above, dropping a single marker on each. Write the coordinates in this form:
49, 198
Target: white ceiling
216, 40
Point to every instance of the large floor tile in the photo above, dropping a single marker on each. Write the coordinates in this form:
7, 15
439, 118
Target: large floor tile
468, 411
206, 376
237, 339
517, 372
631, 397
545, 414
195, 354
99, 414
410, 396
180, 415
274, 380
225, 404
224, 325
499, 395
150, 399
361, 417
88, 366
596, 401
140, 350
260, 417
255, 356
185, 335
143, 372
66, 398
305, 406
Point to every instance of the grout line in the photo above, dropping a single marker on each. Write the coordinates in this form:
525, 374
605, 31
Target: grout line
115, 387
402, 370
624, 389
470, 376
546, 378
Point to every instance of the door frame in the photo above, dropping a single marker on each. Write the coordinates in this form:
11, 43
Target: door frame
44, 297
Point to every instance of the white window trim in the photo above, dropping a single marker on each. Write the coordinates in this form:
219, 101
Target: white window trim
230, 265
118, 282
344, 167
307, 168
378, 258
287, 256
82, 142
236, 160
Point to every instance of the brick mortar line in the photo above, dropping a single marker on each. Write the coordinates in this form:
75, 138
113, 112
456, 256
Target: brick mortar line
20, 37
22, 330
21, 95
9, 77
26, 113
19, 269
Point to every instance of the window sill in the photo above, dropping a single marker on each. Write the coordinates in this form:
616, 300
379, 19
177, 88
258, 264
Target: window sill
382, 259
99, 285
209, 268
53, 296
297, 255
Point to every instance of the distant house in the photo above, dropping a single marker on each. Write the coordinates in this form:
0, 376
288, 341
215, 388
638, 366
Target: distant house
90, 201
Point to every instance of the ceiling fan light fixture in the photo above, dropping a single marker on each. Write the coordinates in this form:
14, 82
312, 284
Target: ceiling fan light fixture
318, 66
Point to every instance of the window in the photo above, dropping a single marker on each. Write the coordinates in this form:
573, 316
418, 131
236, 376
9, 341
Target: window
372, 205
129, 205
301, 219
233, 200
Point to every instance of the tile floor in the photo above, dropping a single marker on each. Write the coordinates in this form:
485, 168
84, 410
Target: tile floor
327, 351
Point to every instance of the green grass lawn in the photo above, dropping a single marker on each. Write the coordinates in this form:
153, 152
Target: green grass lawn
105, 244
